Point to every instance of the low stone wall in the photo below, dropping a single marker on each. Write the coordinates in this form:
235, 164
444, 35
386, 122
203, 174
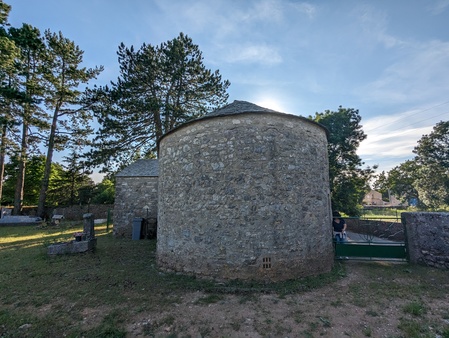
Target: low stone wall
389, 230
72, 213
76, 212
427, 237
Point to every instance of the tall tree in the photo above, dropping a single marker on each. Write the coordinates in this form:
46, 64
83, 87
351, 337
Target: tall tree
159, 88
401, 180
434, 148
31, 46
433, 159
8, 78
33, 178
432, 186
381, 183
75, 177
70, 121
348, 181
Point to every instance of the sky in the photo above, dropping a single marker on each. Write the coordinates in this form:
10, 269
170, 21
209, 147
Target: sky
388, 59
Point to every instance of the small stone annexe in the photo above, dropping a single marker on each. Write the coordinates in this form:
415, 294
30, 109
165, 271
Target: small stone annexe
135, 195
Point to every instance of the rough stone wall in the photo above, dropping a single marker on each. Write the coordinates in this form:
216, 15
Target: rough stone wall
71, 213
245, 197
427, 237
132, 194
76, 212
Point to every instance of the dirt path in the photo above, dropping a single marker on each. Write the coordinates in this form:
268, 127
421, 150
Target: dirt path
347, 308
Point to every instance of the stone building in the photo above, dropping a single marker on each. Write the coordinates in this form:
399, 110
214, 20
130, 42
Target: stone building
135, 195
244, 194
373, 198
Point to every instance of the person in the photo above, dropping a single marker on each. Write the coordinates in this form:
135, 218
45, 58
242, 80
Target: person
339, 225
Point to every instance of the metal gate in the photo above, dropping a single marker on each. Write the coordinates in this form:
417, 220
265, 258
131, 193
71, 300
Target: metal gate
368, 245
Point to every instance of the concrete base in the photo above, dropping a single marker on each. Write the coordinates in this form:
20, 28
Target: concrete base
71, 247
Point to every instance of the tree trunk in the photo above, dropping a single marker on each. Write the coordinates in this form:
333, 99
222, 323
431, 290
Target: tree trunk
2, 159
18, 196
47, 170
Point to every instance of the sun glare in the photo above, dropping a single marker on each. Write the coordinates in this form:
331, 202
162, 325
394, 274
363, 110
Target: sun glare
270, 104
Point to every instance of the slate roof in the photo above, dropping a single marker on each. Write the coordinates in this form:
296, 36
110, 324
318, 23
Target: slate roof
238, 107
141, 168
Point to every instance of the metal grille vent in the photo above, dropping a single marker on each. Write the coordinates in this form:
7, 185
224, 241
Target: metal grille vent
266, 263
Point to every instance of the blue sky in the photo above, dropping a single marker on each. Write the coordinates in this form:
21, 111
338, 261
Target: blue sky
389, 59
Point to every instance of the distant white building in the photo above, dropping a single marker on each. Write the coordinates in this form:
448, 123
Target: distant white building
375, 198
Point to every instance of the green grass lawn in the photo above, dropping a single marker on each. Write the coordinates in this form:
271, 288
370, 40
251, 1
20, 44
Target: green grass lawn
47, 296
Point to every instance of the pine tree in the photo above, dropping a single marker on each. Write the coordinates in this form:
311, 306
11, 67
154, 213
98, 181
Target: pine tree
159, 88
70, 123
30, 116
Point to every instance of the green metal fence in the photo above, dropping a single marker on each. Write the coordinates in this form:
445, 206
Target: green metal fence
371, 250
373, 239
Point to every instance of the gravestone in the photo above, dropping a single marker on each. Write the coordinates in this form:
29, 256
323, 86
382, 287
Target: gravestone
84, 241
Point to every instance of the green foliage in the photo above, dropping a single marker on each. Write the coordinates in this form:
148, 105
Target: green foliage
70, 122
63, 74
26, 88
4, 12
434, 148
401, 180
415, 308
432, 186
68, 185
33, 177
104, 192
381, 183
425, 178
348, 181
414, 329
40, 74
159, 88
432, 183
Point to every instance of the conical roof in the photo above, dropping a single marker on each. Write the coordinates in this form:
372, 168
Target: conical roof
238, 107
235, 108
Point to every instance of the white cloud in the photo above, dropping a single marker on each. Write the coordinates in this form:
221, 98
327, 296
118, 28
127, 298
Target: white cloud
306, 8
392, 138
97, 177
438, 7
393, 144
267, 10
261, 54
373, 24
388, 150
420, 75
